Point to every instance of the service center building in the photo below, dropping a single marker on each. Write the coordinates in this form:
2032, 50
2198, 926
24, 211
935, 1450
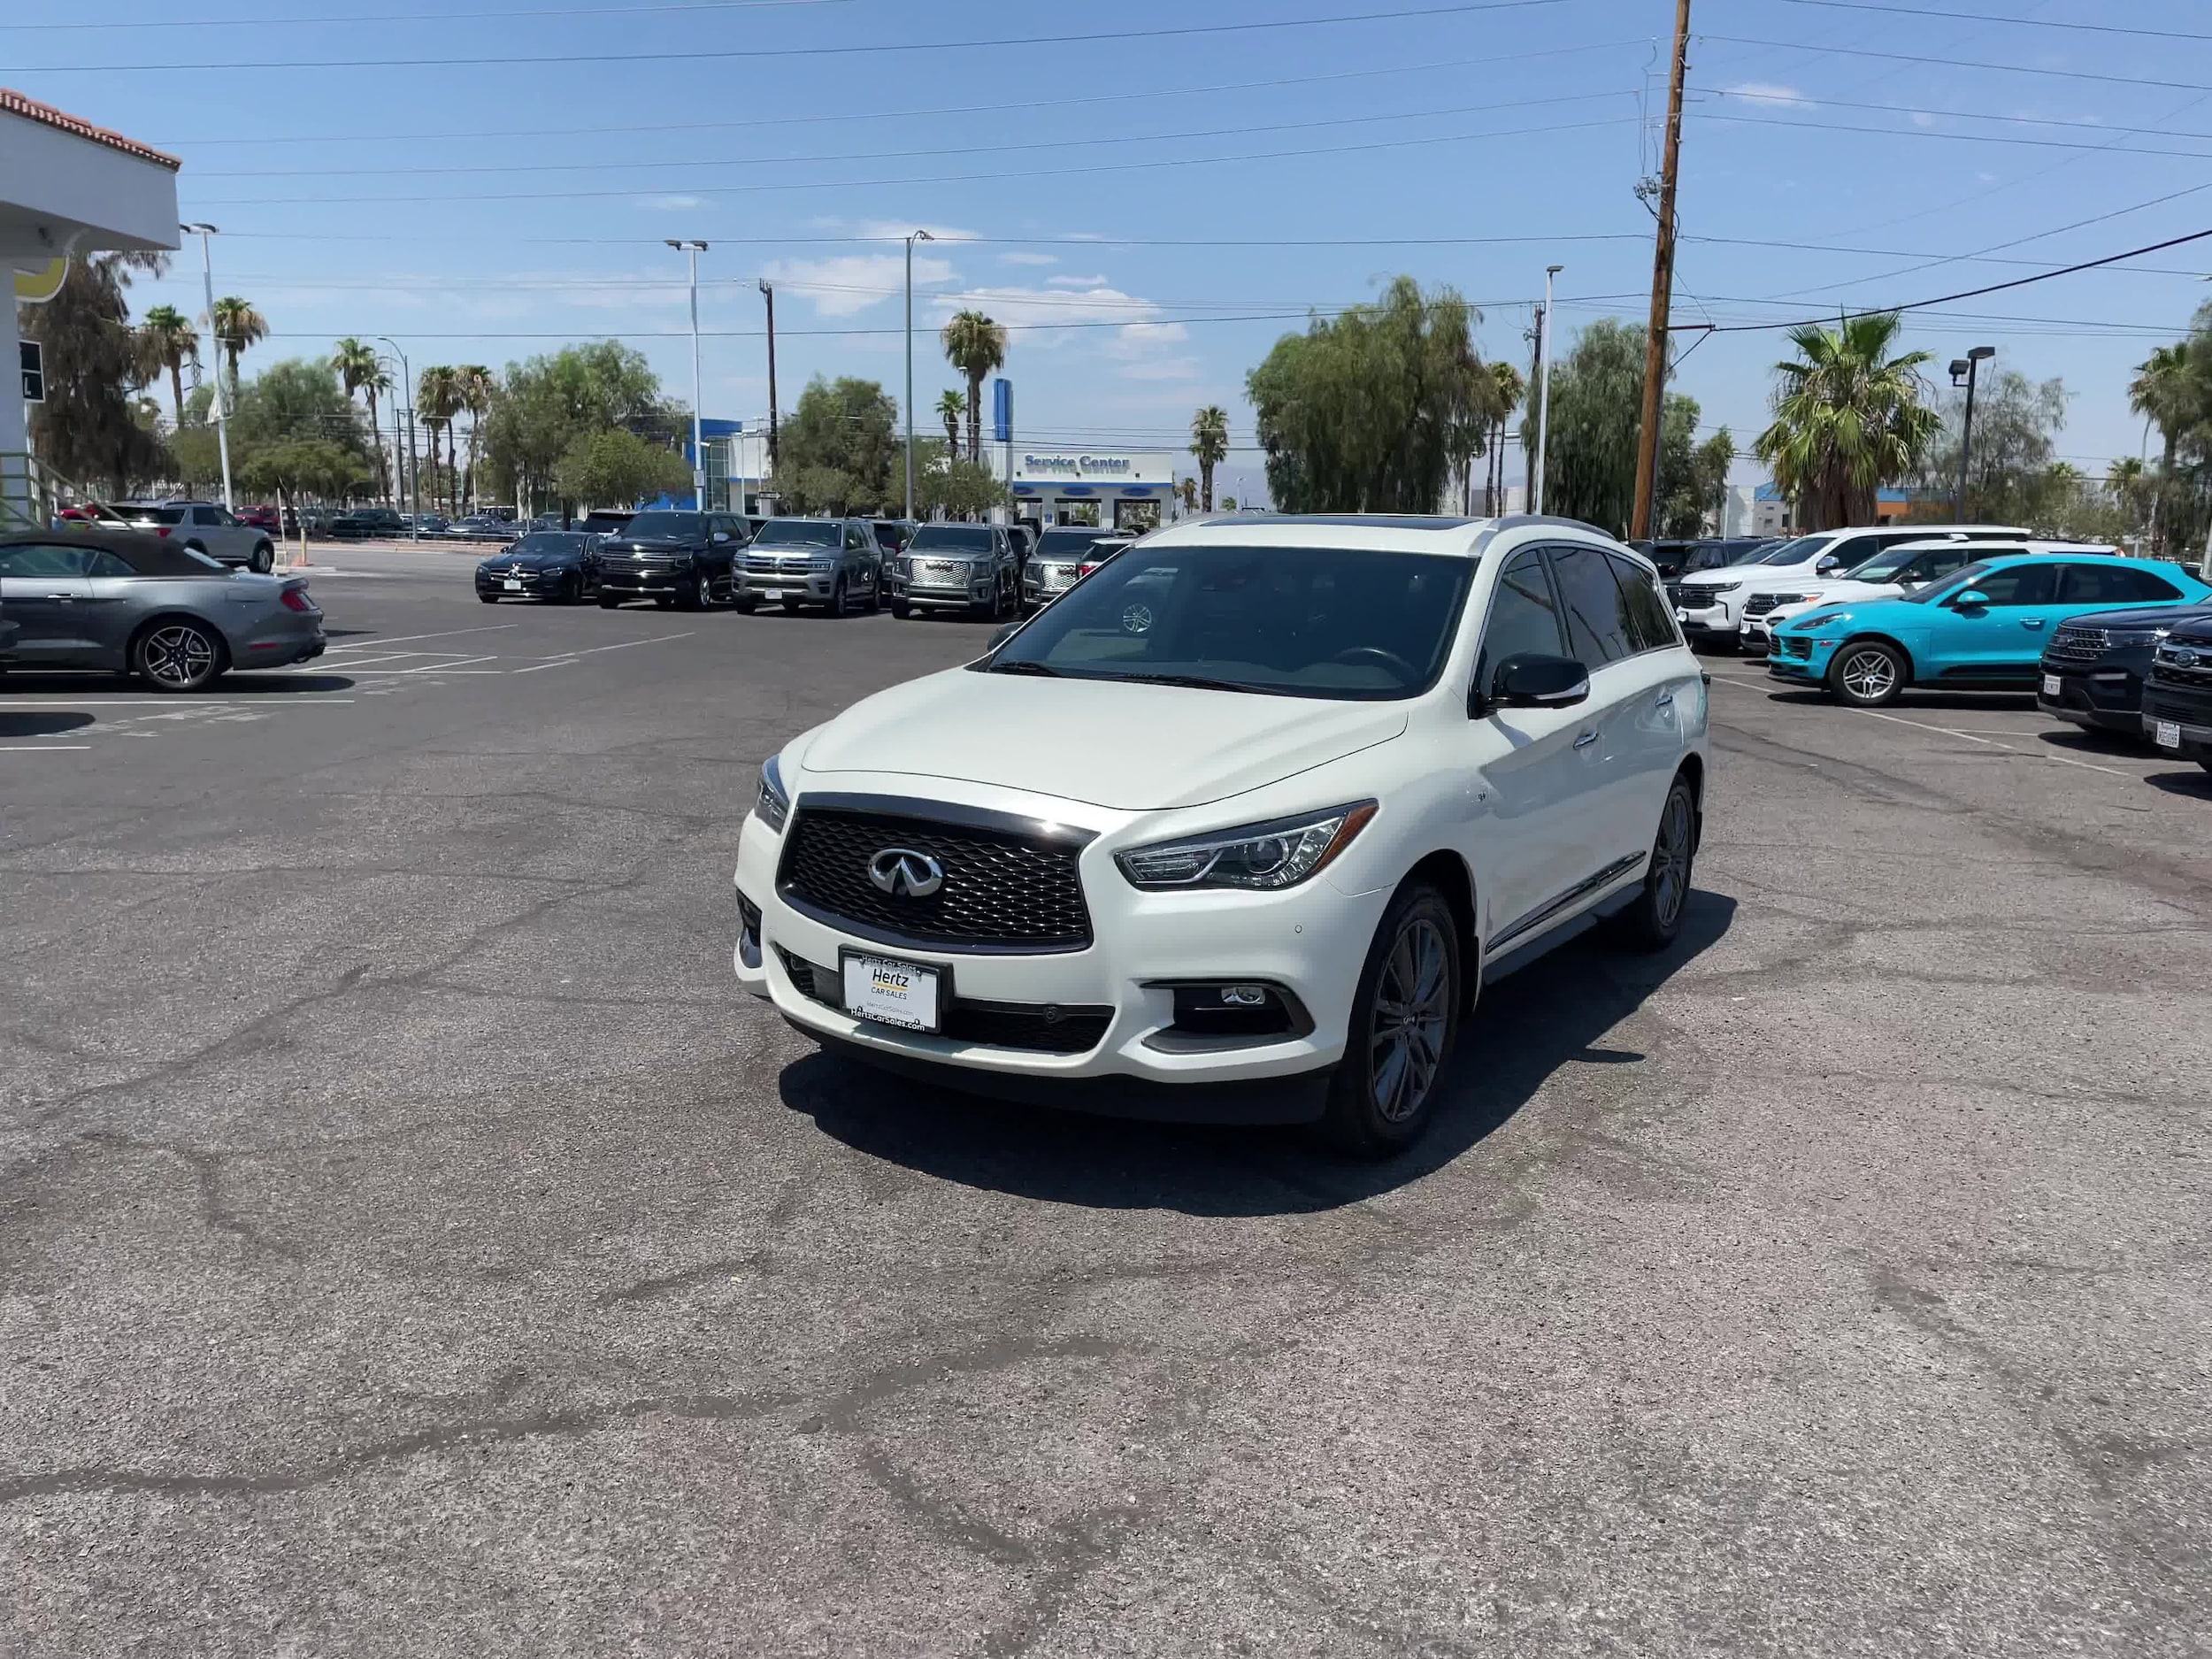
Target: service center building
1121, 491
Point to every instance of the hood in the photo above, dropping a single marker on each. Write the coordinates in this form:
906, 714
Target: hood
2196, 630
655, 543
530, 561
1833, 593
2143, 617
1110, 743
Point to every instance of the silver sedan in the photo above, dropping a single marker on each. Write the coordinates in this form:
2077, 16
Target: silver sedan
124, 601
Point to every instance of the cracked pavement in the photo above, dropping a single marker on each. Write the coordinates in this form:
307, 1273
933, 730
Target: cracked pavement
411, 1245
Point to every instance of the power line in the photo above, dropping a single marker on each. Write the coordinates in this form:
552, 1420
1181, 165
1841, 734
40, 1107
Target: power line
1966, 62
1962, 138
1073, 100
853, 49
687, 189
1782, 99
1983, 17
136, 23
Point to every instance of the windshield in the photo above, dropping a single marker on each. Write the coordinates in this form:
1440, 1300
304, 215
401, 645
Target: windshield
800, 533
549, 541
603, 520
1962, 577
669, 524
1070, 541
951, 538
1795, 551
1883, 567
1352, 624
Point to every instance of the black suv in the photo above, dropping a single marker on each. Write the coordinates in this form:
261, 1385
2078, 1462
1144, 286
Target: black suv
672, 558
2093, 669
2177, 694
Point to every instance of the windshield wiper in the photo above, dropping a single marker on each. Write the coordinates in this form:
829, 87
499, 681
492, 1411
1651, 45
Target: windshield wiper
1025, 668
1196, 682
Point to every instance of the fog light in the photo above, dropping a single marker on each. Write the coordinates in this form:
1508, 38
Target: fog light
1244, 996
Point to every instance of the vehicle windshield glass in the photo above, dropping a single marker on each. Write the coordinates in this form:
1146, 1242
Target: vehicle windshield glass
549, 541
951, 538
669, 524
602, 521
800, 533
1345, 623
1794, 551
1960, 579
1068, 541
1883, 567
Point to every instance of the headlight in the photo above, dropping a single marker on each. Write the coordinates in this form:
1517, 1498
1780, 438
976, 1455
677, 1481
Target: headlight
773, 806
1794, 599
1720, 587
1280, 854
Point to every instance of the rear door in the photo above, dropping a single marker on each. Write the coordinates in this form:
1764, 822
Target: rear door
46, 590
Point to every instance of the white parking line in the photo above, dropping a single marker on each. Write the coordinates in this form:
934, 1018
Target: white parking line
403, 638
1991, 742
58, 701
21, 749
558, 662
658, 639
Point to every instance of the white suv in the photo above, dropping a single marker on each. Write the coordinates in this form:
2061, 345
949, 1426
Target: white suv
1252, 806
1712, 604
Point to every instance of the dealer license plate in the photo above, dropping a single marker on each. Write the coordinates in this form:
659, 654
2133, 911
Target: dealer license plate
2169, 734
891, 993
2050, 685
513, 587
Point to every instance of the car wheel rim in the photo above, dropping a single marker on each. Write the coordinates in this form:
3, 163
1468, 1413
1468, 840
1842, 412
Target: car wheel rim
1869, 674
1670, 860
1406, 1035
178, 656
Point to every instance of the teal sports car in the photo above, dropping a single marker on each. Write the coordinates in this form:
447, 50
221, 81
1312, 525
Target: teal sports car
1982, 629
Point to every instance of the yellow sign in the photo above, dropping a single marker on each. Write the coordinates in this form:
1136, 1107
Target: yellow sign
35, 288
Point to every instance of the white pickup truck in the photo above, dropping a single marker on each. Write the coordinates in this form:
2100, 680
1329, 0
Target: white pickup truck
1711, 606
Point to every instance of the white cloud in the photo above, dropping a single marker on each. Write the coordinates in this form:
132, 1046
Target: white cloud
1767, 92
845, 285
1029, 258
1023, 309
1161, 369
1921, 118
1065, 281
669, 204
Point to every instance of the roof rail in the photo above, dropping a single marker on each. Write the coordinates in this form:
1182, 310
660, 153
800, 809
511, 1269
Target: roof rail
1522, 520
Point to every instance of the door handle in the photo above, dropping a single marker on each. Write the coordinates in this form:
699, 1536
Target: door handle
1586, 740
2030, 622
1666, 701
65, 598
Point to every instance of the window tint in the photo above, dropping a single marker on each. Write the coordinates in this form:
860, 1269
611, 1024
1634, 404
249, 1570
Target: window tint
951, 538
1523, 617
105, 563
45, 559
2022, 584
2111, 584
1855, 549
1597, 616
1650, 623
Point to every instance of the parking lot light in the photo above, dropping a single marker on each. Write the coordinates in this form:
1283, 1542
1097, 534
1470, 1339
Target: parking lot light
698, 452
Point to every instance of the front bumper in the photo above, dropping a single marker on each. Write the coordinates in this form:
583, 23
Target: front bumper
2187, 714
1309, 942
1809, 669
1706, 625
644, 581
529, 585
813, 584
2109, 698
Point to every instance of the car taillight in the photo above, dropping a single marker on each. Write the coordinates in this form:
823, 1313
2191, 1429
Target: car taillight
295, 599
161, 529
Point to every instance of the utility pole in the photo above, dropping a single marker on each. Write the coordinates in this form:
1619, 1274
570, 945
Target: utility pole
1661, 287
1971, 362
769, 290
222, 413
698, 450
913, 237
1543, 391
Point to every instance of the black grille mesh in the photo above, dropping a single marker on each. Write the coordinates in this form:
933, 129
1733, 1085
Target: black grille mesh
1000, 889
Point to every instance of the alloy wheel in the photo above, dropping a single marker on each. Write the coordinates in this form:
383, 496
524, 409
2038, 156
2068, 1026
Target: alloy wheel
1406, 1033
178, 656
1671, 859
1869, 674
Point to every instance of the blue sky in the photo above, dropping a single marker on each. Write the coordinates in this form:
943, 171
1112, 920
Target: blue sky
1151, 207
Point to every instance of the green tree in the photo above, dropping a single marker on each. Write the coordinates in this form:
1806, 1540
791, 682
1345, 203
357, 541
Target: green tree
1210, 446
295, 468
950, 406
948, 485
1692, 475
2017, 424
297, 402
1510, 388
1848, 419
1375, 410
1187, 489
2167, 390
360, 370
541, 406
437, 400
478, 385
169, 342
87, 431
236, 326
976, 346
614, 468
840, 448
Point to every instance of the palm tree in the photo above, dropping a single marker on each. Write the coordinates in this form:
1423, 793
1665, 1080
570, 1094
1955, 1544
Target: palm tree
438, 400
1187, 490
360, 370
1848, 418
478, 384
2126, 479
2164, 391
236, 325
1510, 388
950, 407
169, 341
976, 346
1209, 442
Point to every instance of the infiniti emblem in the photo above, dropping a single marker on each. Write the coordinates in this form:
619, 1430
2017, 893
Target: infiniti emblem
905, 873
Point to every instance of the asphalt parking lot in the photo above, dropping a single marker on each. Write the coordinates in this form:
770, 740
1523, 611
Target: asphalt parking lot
411, 1245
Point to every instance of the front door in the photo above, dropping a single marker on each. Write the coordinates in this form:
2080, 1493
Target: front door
45, 589
2004, 638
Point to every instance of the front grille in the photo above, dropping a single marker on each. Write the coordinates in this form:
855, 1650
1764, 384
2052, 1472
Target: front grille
1059, 575
2078, 645
2195, 676
1042, 1028
1759, 605
1698, 595
940, 573
783, 564
1004, 889
1792, 645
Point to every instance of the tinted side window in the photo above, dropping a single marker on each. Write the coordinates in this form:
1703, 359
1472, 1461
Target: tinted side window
1855, 549
1650, 623
2020, 584
45, 559
1523, 617
1597, 616
2111, 584
105, 563
1934, 566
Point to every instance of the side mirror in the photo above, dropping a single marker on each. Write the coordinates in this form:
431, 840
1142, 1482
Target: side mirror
1828, 562
721, 535
1534, 680
1972, 599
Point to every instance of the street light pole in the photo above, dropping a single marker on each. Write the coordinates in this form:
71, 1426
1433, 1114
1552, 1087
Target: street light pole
1543, 391
698, 449
912, 237
768, 289
1973, 361
414, 473
222, 414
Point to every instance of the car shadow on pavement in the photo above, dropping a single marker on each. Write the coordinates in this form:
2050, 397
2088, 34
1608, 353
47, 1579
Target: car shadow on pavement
1527, 1026
2093, 740
39, 723
2196, 783
100, 688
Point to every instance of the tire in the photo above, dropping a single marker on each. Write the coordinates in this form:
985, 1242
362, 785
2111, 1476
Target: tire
489, 599
1654, 921
177, 654
1385, 1089
900, 611
571, 590
839, 601
1868, 674
664, 602
697, 596
263, 559
607, 600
